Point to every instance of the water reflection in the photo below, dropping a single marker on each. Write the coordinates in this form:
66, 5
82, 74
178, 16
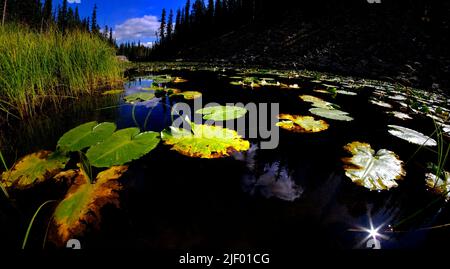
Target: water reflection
269, 180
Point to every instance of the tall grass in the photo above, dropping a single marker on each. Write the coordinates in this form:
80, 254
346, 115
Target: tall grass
41, 68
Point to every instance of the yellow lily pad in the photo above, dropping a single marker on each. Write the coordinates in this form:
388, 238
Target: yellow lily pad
301, 124
188, 95
205, 141
33, 169
82, 204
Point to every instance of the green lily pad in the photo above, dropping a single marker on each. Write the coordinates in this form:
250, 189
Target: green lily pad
162, 79
332, 114
411, 136
33, 169
82, 204
205, 141
85, 135
139, 97
378, 171
222, 113
122, 147
188, 95
301, 124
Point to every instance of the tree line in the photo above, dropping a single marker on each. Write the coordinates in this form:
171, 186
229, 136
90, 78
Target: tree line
196, 21
41, 15
201, 20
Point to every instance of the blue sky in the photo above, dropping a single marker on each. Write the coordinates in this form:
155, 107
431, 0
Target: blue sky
132, 20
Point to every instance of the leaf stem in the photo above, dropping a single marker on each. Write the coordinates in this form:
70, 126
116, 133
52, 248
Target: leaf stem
30, 225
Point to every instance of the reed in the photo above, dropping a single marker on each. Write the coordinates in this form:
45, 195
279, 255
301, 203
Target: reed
37, 69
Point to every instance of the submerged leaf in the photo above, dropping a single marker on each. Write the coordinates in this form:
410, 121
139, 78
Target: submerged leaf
222, 113
439, 185
332, 114
205, 141
411, 136
188, 95
373, 171
82, 204
86, 135
122, 147
113, 92
139, 97
301, 124
33, 169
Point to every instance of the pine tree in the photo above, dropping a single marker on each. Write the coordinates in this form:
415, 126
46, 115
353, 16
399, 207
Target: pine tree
187, 12
210, 12
77, 18
111, 40
95, 29
70, 18
162, 28
178, 22
170, 25
47, 12
62, 16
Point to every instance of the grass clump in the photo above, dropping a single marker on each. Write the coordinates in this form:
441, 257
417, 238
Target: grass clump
36, 68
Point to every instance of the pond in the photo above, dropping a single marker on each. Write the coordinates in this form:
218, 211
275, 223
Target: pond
296, 194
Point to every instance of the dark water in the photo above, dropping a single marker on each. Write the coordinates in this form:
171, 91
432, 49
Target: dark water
294, 195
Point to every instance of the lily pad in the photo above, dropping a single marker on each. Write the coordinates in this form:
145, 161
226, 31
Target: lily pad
82, 204
205, 141
378, 171
33, 169
188, 95
332, 114
290, 86
380, 103
179, 80
317, 102
86, 135
122, 147
411, 136
344, 92
162, 79
439, 185
139, 97
301, 124
400, 115
222, 113
166, 91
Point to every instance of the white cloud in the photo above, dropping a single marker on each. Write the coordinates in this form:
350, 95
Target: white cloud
137, 28
148, 44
